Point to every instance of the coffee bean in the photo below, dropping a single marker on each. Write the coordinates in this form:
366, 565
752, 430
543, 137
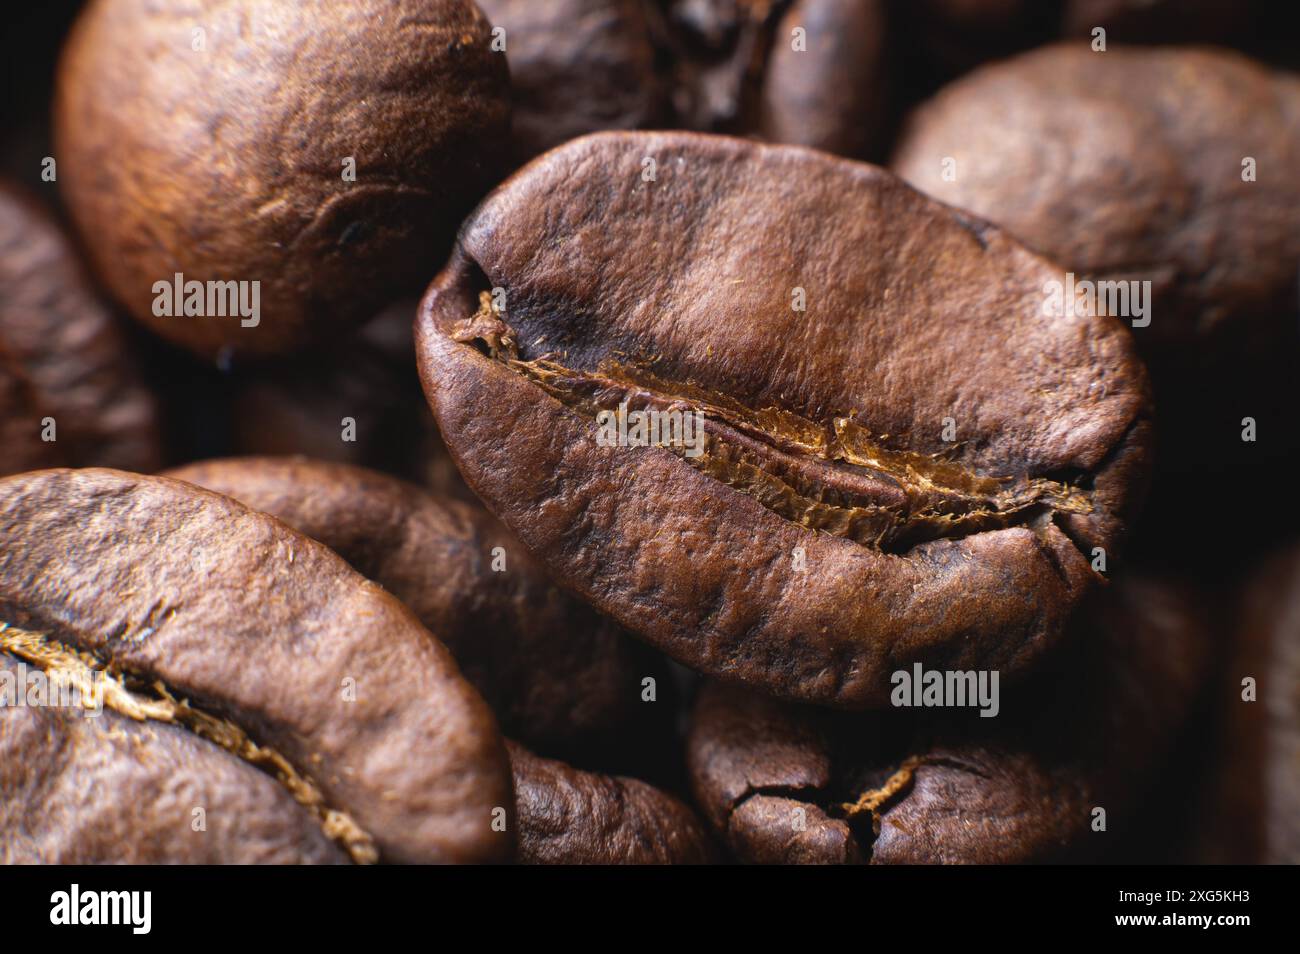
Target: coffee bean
789, 784
1152, 191
578, 66
824, 84
63, 342
808, 73
251, 644
568, 817
905, 459
556, 674
114, 790
323, 150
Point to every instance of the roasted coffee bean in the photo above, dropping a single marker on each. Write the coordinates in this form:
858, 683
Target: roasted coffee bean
810, 72
578, 66
556, 674
784, 783
113, 788
247, 644
825, 86
1095, 160
568, 817
883, 452
1256, 804
323, 150
62, 341
807, 72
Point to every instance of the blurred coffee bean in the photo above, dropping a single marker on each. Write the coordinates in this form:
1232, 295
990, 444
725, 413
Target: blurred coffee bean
557, 675
571, 817
1057, 773
66, 344
578, 66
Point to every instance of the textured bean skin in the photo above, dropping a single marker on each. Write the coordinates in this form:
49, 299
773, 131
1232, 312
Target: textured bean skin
1096, 160
259, 625
1040, 140
571, 817
557, 674
62, 340
600, 266
1018, 787
112, 790
236, 170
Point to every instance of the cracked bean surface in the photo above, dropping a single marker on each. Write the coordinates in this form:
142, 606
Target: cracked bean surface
828, 533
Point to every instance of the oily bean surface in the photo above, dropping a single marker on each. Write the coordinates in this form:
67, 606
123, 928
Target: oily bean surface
110, 790
266, 629
828, 532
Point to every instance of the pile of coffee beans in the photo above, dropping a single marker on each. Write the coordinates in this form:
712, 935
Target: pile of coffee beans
649, 432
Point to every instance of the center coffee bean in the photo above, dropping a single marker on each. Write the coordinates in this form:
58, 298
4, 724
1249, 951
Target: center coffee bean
875, 448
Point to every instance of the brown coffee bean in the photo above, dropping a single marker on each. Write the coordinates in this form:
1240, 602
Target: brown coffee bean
900, 458
1256, 803
65, 344
324, 150
570, 817
825, 87
1096, 160
810, 72
578, 66
786, 784
111, 789
223, 623
556, 674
